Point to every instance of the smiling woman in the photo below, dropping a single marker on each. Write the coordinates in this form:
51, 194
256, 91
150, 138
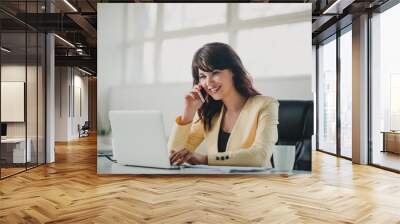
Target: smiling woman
238, 125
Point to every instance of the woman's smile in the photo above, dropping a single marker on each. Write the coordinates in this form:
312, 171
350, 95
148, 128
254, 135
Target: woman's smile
214, 89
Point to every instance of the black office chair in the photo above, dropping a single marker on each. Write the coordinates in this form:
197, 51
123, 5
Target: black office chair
84, 130
296, 128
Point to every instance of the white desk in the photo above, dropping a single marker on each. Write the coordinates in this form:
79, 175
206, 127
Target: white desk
106, 166
18, 149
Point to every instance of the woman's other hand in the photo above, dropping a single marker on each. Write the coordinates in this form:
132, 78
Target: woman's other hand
192, 104
186, 156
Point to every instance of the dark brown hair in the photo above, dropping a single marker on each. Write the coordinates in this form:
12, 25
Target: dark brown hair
220, 56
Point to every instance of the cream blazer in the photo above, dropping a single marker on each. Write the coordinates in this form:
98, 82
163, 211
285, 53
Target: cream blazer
250, 142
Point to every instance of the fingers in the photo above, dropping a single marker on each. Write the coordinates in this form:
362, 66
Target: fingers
171, 153
188, 158
180, 157
198, 88
183, 159
194, 95
173, 156
176, 158
197, 96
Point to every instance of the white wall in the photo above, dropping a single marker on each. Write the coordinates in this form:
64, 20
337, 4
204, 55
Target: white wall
79, 117
68, 81
61, 103
169, 98
82, 82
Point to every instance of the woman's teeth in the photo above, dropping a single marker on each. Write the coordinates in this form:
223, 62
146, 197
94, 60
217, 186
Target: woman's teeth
214, 90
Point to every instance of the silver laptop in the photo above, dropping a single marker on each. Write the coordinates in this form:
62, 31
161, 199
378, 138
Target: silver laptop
139, 139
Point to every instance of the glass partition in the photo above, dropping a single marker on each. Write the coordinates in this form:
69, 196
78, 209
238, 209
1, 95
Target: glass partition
327, 96
23, 91
14, 153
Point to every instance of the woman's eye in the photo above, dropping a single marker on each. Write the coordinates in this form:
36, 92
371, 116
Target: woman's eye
202, 77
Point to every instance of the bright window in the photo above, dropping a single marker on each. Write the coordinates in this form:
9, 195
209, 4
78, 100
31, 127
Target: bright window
148, 59
265, 59
144, 17
346, 94
179, 65
385, 85
327, 96
395, 102
182, 16
184, 28
258, 10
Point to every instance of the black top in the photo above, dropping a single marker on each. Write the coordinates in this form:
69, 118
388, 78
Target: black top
222, 140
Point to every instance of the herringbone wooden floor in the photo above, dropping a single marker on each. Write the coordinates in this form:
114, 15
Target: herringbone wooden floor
70, 191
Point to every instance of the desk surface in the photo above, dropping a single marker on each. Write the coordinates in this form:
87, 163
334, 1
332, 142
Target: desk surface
14, 140
106, 166
390, 132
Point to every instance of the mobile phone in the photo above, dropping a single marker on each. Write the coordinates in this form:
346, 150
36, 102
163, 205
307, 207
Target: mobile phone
202, 95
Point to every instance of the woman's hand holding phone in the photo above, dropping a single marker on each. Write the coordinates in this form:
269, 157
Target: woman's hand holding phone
193, 102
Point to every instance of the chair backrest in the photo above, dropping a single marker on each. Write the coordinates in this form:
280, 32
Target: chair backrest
86, 125
295, 127
295, 121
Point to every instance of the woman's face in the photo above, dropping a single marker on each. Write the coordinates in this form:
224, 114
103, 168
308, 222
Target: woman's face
218, 83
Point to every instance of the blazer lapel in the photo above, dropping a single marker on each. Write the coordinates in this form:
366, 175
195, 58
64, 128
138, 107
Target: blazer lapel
235, 138
213, 144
